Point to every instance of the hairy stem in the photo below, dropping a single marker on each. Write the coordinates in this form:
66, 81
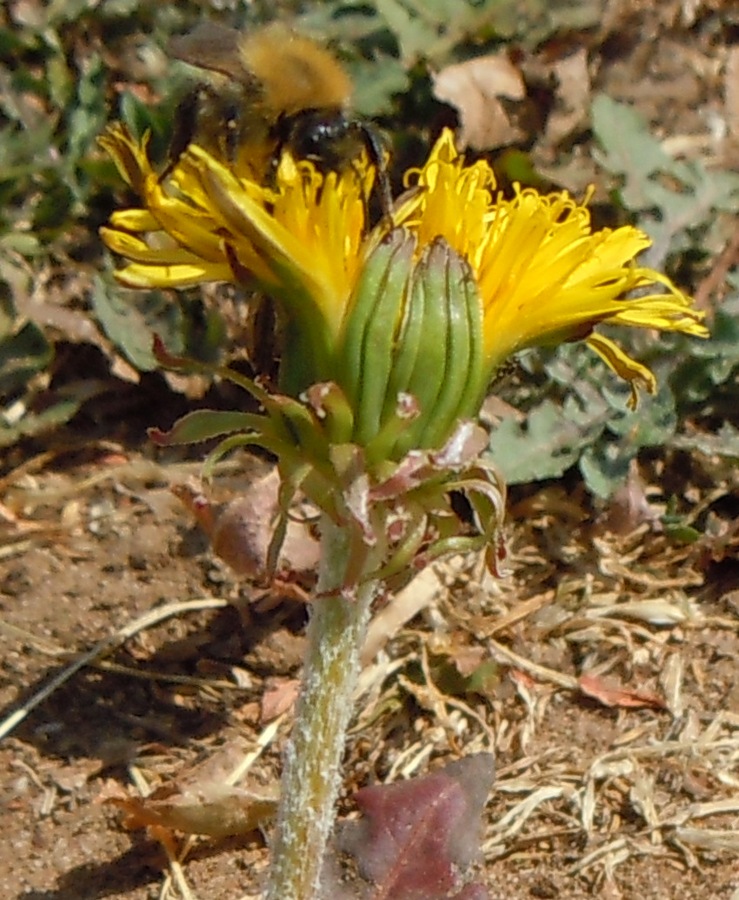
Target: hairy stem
311, 776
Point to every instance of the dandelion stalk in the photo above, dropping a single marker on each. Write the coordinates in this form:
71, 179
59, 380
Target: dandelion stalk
311, 778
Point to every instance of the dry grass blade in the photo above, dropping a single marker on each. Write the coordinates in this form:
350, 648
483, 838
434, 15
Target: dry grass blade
514, 820
153, 617
709, 839
542, 673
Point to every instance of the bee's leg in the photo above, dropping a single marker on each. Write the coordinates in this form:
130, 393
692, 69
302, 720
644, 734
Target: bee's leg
376, 153
285, 133
184, 128
190, 120
232, 137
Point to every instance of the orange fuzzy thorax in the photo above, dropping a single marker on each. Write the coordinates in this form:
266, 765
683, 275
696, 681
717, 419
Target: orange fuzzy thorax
293, 72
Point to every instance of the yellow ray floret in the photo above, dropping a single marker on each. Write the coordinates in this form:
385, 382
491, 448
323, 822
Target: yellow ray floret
543, 275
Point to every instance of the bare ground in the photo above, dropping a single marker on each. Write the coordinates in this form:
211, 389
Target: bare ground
590, 799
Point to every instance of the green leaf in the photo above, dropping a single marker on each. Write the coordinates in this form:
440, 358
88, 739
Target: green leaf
376, 81
681, 197
25, 244
485, 679
627, 148
725, 443
707, 370
86, 120
54, 410
545, 446
651, 424
33, 424
132, 318
202, 425
24, 350
60, 81
606, 467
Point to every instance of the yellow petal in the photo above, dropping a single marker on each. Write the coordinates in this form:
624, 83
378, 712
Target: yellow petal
545, 276
623, 365
129, 155
174, 276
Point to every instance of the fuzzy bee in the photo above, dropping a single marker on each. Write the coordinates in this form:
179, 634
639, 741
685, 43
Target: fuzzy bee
266, 91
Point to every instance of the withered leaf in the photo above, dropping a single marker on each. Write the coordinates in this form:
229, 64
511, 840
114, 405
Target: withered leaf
216, 810
474, 89
610, 694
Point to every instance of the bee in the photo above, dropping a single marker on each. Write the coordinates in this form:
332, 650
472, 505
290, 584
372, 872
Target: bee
267, 91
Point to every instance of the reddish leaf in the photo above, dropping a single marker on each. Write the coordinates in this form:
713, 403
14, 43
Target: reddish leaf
610, 694
241, 530
417, 836
172, 361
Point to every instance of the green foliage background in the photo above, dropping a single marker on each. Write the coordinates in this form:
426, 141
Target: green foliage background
67, 67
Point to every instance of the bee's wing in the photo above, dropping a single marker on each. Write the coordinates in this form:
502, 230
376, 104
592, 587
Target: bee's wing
210, 46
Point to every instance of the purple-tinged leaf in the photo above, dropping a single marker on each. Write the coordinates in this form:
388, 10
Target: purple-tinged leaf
417, 837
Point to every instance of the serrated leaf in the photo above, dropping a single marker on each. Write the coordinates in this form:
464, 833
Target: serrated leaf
627, 148
376, 81
605, 467
414, 34
582, 375
132, 319
681, 197
711, 364
725, 443
682, 208
431, 29
651, 424
202, 425
545, 446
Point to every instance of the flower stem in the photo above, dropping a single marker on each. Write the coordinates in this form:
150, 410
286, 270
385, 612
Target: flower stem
311, 776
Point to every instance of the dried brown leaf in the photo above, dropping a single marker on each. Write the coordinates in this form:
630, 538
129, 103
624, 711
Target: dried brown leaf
474, 89
216, 810
609, 693
278, 698
572, 96
240, 531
